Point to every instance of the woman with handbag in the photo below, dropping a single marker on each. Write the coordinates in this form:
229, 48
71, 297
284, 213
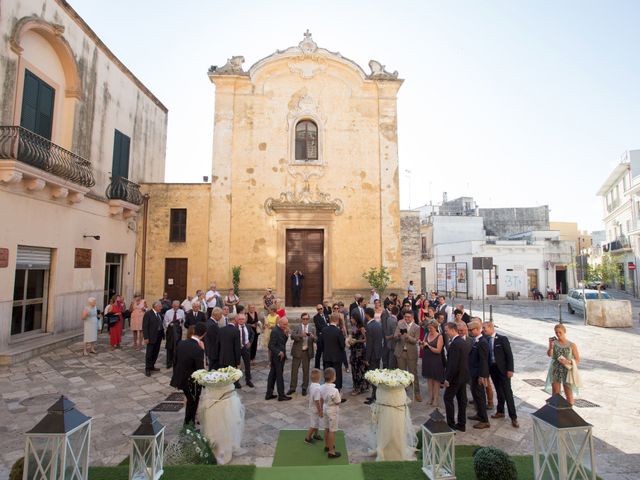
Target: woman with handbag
563, 369
253, 320
113, 313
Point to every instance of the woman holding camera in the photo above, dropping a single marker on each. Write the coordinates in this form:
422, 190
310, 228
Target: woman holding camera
563, 369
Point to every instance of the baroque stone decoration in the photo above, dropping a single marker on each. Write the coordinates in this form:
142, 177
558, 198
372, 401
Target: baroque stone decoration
305, 199
307, 106
232, 67
378, 72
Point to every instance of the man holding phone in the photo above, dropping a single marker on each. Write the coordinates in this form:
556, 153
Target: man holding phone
407, 336
303, 336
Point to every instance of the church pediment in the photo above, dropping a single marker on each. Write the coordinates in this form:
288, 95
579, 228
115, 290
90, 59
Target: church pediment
305, 200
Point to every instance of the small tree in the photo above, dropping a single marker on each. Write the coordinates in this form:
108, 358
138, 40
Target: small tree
235, 270
608, 271
378, 278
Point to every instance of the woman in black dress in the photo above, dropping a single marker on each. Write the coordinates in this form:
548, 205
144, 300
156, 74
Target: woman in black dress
432, 365
358, 367
254, 322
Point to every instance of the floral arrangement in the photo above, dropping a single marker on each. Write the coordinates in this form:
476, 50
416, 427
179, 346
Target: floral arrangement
189, 448
217, 378
389, 378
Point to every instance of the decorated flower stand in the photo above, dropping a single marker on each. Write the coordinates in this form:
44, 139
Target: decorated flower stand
390, 415
220, 411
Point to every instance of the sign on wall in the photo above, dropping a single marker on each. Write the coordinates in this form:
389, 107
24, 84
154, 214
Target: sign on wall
4, 257
82, 258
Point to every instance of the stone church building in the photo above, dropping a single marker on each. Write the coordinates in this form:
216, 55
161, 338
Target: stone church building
304, 177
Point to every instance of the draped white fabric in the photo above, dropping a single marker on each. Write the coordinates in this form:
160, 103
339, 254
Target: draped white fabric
221, 416
392, 426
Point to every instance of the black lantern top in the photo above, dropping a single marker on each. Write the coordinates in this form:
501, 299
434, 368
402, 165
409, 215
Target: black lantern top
62, 417
149, 426
437, 423
560, 414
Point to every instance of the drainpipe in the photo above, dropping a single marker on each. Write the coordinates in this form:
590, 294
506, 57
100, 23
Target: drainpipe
143, 264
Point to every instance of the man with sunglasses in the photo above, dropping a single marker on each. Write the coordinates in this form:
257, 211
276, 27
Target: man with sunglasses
320, 322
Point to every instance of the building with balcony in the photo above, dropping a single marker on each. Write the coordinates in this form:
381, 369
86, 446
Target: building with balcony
78, 133
620, 204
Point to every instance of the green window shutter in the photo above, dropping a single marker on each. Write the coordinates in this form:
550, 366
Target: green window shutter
37, 105
120, 166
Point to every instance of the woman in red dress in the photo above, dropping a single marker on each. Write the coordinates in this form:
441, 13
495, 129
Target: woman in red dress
115, 329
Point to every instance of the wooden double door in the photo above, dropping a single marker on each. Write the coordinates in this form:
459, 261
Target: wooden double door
305, 252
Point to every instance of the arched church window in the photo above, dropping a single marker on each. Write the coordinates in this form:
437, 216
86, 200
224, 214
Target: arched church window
306, 140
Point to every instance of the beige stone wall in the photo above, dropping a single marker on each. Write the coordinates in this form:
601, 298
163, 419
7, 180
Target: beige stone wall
411, 247
162, 198
253, 161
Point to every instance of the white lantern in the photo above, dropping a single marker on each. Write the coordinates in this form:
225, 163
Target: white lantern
147, 449
562, 443
438, 448
57, 448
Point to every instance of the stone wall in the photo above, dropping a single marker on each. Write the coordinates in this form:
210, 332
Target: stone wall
502, 222
162, 198
410, 241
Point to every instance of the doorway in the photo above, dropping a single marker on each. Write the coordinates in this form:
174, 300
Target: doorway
175, 278
305, 252
561, 279
532, 276
112, 277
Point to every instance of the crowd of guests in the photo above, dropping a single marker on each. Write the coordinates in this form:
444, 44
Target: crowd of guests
452, 351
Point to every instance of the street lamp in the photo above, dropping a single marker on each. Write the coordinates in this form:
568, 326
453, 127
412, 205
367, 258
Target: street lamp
57, 448
562, 443
438, 448
147, 449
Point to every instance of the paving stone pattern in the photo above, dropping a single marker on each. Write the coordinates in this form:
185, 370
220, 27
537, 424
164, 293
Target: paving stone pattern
112, 388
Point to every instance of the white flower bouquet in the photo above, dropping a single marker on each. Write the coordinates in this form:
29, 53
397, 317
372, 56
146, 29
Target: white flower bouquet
189, 448
217, 378
389, 378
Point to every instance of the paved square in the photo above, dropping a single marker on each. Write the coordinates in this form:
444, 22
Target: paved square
112, 388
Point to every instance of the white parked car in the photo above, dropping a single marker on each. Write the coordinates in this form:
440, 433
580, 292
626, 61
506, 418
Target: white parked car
575, 298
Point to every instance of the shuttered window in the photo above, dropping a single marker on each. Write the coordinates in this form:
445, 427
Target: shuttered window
30, 289
306, 140
37, 105
33, 257
120, 165
178, 225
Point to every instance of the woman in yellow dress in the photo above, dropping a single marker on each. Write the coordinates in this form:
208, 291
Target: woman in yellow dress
269, 323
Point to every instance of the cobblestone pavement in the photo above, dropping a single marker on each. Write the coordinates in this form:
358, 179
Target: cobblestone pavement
112, 388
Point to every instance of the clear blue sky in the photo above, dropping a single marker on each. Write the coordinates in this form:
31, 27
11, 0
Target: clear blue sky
516, 103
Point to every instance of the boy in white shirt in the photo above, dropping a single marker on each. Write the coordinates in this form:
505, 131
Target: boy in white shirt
330, 404
315, 407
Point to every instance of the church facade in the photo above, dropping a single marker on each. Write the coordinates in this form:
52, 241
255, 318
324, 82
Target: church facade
304, 177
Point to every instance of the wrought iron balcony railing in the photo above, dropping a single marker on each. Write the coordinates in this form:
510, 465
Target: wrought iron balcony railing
123, 189
23, 145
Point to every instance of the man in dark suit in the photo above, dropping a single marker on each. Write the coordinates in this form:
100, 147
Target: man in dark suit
303, 336
194, 316
211, 342
229, 347
296, 287
358, 311
355, 302
479, 372
246, 339
456, 378
189, 358
333, 344
278, 354
373, 348
501, 371
152, 333
320, 322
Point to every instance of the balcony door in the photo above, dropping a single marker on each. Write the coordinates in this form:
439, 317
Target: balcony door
37, 105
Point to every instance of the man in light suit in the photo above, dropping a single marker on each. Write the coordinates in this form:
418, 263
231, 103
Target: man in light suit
303, 336
373, 349
389, 321
407, 336
153, 333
